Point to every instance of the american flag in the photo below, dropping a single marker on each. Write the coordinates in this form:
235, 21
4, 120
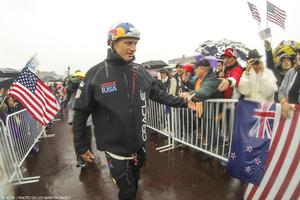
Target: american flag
35, 96
276, 15
281, 178
254, 12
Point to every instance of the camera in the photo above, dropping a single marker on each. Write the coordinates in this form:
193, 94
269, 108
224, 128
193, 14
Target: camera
255, 61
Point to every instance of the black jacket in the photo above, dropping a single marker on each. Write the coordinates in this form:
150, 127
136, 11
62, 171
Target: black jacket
116, 94
277, 71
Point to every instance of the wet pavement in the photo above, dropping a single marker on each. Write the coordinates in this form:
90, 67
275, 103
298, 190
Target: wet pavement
178, 174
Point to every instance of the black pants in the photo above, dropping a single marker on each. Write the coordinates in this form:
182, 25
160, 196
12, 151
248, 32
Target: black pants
126, 174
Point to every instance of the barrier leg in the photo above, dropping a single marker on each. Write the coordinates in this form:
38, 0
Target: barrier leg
44, 135
170, 144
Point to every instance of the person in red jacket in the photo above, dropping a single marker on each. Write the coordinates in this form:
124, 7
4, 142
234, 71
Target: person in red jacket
233, 72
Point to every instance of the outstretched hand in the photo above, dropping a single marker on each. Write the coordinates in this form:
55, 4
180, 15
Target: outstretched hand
184, 95
223, 85
191, 105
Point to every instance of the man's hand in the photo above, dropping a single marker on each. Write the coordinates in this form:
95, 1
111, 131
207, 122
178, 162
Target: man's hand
249, 65
285, 110
223, 85
222, 74
268, 45
88, 156
184, 95
191, 104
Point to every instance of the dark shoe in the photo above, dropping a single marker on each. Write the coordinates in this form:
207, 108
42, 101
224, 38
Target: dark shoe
205, 157
83, 174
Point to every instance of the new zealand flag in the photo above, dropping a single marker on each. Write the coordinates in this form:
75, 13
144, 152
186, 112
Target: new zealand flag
251, 140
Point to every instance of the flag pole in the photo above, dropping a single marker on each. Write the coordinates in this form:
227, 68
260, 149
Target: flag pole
259, 26
267, 26
3, 101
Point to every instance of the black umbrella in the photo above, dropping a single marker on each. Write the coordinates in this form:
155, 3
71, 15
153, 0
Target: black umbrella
154, 64
8, 72
7, 77
6, 82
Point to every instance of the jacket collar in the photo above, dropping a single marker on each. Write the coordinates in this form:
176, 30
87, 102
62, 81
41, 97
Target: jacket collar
114, 59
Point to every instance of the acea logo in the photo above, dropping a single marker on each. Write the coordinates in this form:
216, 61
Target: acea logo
108, 87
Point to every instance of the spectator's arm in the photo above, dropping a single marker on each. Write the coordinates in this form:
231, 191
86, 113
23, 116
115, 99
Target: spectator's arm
159, 95
244, 84
235, 77
269, 55
282, 92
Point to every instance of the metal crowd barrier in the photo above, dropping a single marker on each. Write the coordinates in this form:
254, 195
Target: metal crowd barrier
159, 121
17, 138
4, 158
210, 133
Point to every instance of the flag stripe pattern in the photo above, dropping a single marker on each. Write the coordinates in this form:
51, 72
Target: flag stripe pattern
254, 12
281, 178
35, 96
276, 15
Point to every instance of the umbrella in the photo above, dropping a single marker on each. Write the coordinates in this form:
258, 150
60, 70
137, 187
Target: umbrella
154, 64
49, 79
6, 82
216, 48
7, 77
8, 72
212, 60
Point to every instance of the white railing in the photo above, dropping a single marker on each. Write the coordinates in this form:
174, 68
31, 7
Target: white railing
209, 133
18, 137
6, 164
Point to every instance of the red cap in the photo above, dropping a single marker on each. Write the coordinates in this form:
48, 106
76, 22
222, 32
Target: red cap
230, 52
188, 68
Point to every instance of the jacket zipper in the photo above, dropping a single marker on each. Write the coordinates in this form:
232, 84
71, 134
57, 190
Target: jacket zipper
127, 85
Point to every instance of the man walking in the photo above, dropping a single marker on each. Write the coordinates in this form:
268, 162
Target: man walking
115, 92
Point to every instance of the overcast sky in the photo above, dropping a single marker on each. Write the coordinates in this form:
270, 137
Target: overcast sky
73, 33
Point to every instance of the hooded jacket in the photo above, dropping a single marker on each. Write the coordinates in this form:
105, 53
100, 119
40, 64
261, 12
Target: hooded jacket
115, 92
